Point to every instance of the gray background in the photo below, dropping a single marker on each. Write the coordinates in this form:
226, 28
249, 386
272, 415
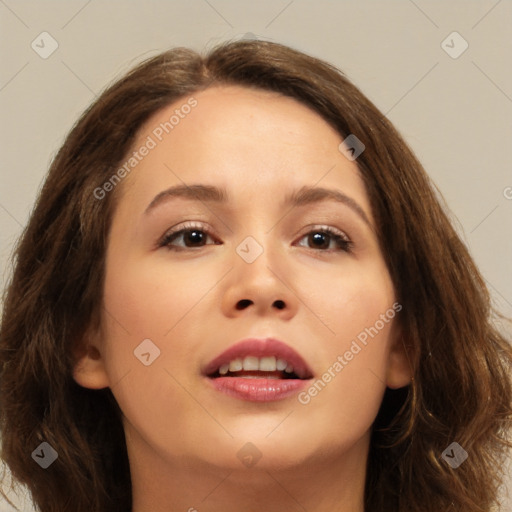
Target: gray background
456, 113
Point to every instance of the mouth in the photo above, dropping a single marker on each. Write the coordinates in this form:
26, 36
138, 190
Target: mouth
259, 370
252, 367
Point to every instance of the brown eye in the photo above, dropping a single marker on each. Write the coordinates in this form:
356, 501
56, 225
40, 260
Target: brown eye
188, 237
323, 238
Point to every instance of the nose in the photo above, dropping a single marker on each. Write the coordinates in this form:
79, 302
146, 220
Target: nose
263, 287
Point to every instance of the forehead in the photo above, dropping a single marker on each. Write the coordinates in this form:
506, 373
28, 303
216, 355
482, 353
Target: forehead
239, 112
239, 138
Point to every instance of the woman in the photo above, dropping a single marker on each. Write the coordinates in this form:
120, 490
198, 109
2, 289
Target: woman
238, 291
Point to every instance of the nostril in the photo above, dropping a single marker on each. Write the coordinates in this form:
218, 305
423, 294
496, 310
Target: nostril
243, 303
279, 304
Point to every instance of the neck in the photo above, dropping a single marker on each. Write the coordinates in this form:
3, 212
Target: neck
331, 482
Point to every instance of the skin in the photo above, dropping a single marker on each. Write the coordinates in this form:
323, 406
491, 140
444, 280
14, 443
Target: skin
182, 435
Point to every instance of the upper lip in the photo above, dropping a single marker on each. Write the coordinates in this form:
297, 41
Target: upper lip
260, 347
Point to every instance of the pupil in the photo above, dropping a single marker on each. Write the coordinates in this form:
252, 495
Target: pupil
194, 236
317, 237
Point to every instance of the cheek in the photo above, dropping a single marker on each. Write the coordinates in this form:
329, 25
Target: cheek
156, 405
150, 298
348, 299
347, 392
358, 307
153, 301
147, 301
343, 406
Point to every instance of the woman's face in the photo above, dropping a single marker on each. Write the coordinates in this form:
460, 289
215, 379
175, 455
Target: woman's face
255, 265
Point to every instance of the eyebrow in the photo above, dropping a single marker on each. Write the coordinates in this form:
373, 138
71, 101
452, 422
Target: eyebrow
210, 194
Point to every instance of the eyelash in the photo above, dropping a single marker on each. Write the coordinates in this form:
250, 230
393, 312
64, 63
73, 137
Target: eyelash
339, 237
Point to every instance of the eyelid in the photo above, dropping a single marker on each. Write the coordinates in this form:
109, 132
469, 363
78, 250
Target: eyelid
184, 226
333, 233
189, 224
325, 227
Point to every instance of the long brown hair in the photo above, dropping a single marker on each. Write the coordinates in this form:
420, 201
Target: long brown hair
461, 391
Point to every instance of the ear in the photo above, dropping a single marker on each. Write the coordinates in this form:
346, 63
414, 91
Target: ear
89, 370
399, 371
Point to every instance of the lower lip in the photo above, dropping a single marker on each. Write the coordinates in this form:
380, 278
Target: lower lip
258, 390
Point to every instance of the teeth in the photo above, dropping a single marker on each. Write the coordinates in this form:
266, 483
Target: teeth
268, 364
253, 363
281, 364
236, 365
